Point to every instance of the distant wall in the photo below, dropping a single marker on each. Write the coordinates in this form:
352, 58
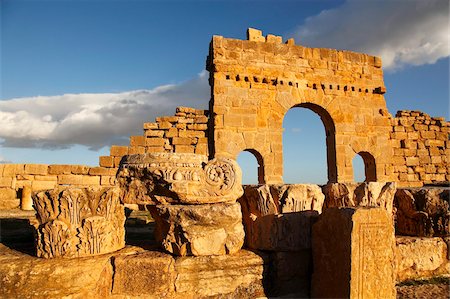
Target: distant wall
185, 132
421, 148
13, 177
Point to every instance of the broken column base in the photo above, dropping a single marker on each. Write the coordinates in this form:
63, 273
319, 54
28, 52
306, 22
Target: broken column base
353, 254
199, 230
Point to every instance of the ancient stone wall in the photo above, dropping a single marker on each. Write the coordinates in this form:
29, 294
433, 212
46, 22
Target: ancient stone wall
256, 81
14, 177
421, 148
185, 132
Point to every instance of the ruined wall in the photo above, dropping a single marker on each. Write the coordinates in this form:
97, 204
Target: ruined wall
185, 132
14, 177
256, 81
421, 148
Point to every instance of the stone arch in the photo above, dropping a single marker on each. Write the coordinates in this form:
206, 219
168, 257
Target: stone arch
260, 160
330, 133
370, 169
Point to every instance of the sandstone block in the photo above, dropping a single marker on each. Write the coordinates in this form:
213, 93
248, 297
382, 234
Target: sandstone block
6, 182
13, 169
137, 141
99, 171
74, 179
8, 198
155, 133
353, 254
76, 222
106, 161
183, 141
79, 169
89, 180
118, 151
150, 126
419, 258
208, 229
370, 194
255, 35
422, 212
161, 178
272, 212
43, 185
149, 273
154, 142
36, 169
232, 276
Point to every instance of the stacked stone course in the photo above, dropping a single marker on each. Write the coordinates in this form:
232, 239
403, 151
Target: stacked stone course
421, 148
185, 132
37, 177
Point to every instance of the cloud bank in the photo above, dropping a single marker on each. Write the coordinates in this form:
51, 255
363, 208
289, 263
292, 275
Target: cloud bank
93, 120
413, 32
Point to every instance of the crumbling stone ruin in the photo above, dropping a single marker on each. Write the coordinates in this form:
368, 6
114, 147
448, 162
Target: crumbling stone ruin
213, 237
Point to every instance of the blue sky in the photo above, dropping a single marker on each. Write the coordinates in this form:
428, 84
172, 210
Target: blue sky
78, 76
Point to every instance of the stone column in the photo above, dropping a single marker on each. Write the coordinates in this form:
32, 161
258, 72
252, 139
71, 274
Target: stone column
353, 254
26, 202
192, 200
76, 222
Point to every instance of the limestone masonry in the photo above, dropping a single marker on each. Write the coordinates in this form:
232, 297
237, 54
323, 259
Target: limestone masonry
344, 239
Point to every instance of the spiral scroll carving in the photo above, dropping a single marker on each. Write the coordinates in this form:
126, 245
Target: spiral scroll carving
220, 174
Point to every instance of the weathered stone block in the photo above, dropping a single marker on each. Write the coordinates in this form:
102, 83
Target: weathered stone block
353, 254
149, 273
370, 194
419, 258
76, 222
8, 198
161, 178
422, 212
279, 217
232, 276
118, 151
36, 169
208, 229
106, 161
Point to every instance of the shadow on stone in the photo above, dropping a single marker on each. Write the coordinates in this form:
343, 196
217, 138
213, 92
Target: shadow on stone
18, 234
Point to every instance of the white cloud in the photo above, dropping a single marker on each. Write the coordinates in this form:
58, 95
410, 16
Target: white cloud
93, 120
408, 32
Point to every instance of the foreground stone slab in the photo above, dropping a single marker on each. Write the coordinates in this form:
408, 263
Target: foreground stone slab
76, 222
132, 273
353, 254
420, 258
279, 217
164, 178
209, 229
423, 211
368, 194
238, 275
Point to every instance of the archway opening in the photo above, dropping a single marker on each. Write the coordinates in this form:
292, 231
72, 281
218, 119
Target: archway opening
364, 169
252, 167
309, 154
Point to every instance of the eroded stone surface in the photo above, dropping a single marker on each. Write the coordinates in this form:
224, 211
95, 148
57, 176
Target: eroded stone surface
208, 229
370, 194
353, 254
279, 217
132, 273
419, 258
75, 222
161, 178
239, 274
422, 212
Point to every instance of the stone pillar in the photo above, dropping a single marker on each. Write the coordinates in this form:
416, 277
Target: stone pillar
192, 200
76, 222
26, 202
353, 254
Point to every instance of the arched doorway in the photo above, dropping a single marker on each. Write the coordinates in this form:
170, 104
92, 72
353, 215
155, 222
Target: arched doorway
252, 167
370, 171
309, 147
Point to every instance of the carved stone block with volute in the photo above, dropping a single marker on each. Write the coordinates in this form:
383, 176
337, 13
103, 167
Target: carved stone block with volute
173, 178
76, 222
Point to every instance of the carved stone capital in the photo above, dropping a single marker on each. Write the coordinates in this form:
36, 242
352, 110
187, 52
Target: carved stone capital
76, 222
164, 178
